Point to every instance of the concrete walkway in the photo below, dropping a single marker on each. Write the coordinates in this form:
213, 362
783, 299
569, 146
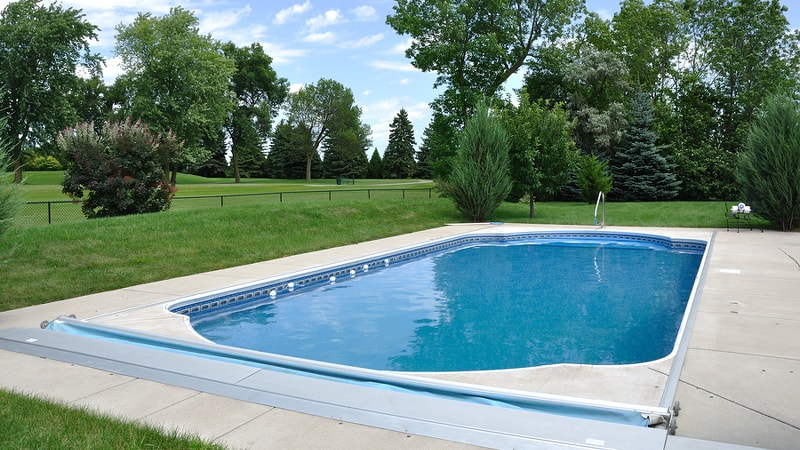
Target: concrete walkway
738, 386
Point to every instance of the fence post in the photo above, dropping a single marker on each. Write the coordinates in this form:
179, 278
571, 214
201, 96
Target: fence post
49, 214
221, 200
369, 194
330, 195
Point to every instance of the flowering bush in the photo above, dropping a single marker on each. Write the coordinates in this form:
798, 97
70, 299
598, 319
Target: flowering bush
120, 171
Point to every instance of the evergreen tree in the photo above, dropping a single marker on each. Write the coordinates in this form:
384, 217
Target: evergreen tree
439, 144
287, 157
423, 165
10, 201
640, 171
375, 167
345, 152
480, 179
398, 160
769, 168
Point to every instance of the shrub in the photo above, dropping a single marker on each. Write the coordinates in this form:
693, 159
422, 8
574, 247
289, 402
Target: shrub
121, 171
480, 177
45, 163
9, 198
769, 167
592, 177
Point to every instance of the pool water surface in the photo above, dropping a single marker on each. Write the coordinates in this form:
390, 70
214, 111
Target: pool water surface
485, 306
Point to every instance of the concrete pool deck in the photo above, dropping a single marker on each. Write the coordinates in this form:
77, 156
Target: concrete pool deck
739, 383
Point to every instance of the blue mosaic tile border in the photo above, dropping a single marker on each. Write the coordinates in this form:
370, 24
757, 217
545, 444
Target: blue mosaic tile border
270, 290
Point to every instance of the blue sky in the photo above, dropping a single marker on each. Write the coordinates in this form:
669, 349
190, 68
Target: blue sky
345, 40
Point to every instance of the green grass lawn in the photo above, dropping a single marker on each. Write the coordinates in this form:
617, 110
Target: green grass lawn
45, 263
31, 423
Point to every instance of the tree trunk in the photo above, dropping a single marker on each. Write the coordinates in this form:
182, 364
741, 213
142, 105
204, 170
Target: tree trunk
531, 204
17, 171
308, 166
235, 160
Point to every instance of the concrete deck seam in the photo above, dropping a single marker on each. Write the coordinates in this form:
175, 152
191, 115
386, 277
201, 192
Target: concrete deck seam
221, 438
195, 394
790, 257
734, 402
728, 352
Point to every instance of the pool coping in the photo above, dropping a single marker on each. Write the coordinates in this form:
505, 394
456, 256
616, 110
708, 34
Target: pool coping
631, 384
760, 247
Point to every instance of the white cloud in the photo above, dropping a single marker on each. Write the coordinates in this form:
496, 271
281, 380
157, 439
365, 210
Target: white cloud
393, 65
401, 47
217, 20
329, 18
405, 81
285, 14
281, 55
380, 114
366, 41
295, 87
365, 13
367, 92
321, 38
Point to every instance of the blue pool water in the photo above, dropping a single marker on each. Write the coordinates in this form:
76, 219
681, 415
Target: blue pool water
481, 307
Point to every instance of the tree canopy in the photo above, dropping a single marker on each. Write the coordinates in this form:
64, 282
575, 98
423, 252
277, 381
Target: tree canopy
398, 160
41, 48
175, 79
474, 46
259, 94
322, 109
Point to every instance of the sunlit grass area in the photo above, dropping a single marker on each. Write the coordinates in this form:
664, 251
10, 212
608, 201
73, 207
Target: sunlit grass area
32, 423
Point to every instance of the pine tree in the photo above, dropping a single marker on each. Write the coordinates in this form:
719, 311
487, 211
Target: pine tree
287, 155
375, 167
398, 160
438, 149
345, 153
769, 169
480, 178
640, 171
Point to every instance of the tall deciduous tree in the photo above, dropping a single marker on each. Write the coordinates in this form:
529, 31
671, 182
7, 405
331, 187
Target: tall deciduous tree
475, 45
649, 40
542, 151
749, 53
175, 79
322, 108
769, 168
597, 82
259, 93
40, 50
398, 159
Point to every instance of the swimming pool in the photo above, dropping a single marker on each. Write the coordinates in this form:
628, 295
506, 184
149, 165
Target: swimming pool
483, 302
151, 341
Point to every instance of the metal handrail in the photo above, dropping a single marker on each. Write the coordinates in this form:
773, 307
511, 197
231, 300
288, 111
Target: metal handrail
600, 196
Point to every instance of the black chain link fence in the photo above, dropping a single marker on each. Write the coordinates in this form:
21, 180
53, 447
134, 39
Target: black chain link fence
64, 211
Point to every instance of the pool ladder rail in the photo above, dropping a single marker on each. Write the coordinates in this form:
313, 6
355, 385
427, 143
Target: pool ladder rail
600, 196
